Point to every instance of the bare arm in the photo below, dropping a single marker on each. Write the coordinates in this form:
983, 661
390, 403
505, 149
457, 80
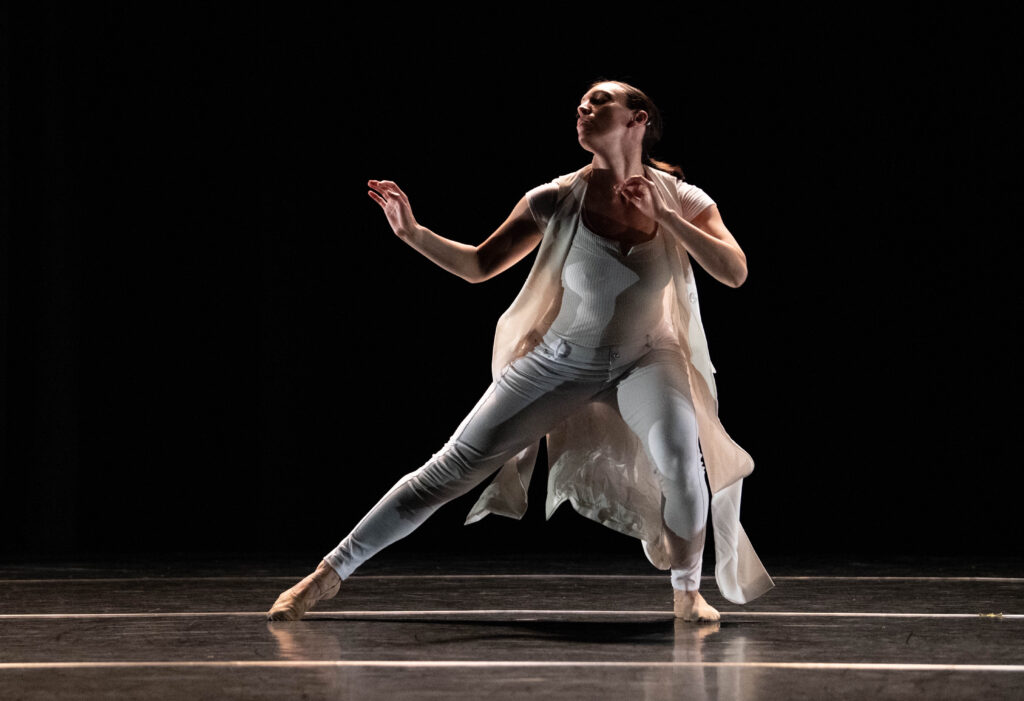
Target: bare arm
510, 242
706, 238
711, 244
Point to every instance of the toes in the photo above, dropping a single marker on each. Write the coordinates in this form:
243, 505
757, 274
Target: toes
293, 603
708, 615
282, 613
286, 608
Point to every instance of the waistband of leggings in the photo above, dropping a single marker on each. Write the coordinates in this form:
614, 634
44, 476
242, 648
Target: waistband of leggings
567, 349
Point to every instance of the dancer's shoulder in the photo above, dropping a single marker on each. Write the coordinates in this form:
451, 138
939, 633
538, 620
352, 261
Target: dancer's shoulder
693, 200
542, 200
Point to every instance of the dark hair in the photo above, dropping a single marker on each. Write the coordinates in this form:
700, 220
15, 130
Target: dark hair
636, 99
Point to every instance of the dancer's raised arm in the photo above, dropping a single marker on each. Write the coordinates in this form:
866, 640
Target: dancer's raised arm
509, 244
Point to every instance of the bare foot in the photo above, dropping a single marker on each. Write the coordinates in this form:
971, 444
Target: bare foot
690, 606
293, 603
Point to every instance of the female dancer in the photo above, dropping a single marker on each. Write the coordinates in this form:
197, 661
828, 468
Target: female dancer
602, 351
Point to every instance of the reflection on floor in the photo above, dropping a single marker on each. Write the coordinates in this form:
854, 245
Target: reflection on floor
509, 629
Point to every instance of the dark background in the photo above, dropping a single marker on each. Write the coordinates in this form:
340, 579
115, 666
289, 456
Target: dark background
213, 343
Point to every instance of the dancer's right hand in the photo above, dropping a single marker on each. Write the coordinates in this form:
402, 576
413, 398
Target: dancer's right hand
395, 205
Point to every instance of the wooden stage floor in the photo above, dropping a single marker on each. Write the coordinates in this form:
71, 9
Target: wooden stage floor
529, 628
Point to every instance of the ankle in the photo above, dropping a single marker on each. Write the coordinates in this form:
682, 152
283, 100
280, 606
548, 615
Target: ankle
326, 579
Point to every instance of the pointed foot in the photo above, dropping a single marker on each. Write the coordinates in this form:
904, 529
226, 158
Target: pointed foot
293, 603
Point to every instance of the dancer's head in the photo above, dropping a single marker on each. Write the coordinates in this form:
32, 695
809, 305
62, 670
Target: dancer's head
614, 112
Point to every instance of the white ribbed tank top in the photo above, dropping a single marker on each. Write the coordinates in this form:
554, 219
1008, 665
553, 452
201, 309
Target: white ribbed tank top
610, 298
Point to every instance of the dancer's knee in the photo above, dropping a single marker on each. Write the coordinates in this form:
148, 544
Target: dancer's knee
686, 494
679, 463
453, 471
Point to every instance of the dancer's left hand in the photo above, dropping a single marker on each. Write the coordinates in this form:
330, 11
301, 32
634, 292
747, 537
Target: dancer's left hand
638, 192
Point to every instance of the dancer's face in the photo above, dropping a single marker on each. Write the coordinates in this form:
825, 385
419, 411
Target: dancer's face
603, 117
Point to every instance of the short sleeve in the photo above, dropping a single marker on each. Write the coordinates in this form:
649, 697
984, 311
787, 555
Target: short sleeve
693, 200
542, 200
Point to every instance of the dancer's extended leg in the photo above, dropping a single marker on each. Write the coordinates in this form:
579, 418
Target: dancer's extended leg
529, 399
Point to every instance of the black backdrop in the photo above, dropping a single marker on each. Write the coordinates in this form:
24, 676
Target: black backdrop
214, 344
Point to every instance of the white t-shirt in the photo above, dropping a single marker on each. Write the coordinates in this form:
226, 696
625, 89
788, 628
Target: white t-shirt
542, 201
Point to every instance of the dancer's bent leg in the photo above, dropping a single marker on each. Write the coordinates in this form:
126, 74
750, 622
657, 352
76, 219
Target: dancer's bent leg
524, 404
654, 400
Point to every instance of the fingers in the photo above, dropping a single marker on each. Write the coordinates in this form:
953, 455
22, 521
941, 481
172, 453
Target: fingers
637, 181
377, 198
635, 191
387, 188
638, 191
396, 188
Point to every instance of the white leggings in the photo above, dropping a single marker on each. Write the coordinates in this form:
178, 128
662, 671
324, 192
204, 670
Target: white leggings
645, 381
